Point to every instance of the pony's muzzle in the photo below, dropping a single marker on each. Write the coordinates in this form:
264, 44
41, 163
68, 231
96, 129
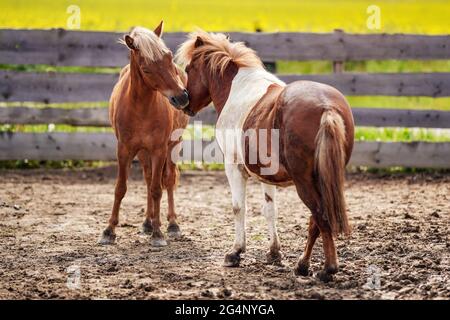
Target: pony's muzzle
181, 101
188, 111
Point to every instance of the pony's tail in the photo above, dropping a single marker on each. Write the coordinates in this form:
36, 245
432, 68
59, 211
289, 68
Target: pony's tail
329, 162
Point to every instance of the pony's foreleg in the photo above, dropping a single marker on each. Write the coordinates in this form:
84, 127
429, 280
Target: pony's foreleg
144, 159
237, 180
158, 159
170, 183
124, 158
173, 230
270, 211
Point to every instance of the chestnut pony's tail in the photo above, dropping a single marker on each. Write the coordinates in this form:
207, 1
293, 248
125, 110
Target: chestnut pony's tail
329, 164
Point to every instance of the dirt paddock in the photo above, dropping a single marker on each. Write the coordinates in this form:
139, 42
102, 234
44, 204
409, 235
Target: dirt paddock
50, 222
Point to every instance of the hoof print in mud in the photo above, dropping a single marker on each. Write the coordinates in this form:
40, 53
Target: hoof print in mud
324, 276
173, 231
232, 260
147, 227
108, 237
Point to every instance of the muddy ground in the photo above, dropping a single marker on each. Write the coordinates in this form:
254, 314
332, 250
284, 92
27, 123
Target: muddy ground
50, 222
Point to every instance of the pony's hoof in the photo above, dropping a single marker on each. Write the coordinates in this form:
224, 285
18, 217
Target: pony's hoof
147, 227
332, 269
158, 242
274, 257
173, 230
302, 270
324, 276
158, 239
108, 237
232, 260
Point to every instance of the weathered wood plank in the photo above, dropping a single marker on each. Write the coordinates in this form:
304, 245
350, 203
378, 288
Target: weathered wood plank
99, 117
101, 146
386, 84
87, 48
375, 117
50, 87
79, 87
76, 117
391, 154
57, 146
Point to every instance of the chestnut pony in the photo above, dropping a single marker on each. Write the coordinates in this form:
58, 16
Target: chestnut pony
314, 127
143, 122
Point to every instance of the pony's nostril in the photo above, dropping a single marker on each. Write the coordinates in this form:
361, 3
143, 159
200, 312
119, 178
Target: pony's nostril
184, 98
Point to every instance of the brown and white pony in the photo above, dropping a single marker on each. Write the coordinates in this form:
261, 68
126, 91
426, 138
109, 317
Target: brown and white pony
315, 130
143, 122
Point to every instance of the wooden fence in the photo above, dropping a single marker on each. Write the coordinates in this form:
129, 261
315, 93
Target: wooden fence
100, 49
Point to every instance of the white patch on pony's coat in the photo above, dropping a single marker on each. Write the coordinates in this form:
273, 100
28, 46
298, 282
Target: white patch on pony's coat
237, 184
247, 88
270, 211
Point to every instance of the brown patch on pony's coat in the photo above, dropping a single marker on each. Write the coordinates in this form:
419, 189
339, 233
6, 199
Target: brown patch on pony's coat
262, 117
329, 166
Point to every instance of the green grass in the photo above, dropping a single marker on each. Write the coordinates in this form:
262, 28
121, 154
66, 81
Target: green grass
371, 66
207, 132
402, 134
65, 69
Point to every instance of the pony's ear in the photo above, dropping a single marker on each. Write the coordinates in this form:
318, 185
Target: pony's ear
159, 29
198, 42
129, 41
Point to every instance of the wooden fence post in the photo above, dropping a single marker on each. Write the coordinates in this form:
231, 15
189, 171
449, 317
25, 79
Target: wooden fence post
338, 66
271, 66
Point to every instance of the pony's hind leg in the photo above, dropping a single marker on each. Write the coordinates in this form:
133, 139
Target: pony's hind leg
271, 213
329, 248
307, 191
124, 160
237, 180
302, 268
170, 181
147, 172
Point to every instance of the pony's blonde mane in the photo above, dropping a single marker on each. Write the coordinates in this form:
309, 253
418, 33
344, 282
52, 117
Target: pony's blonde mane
217, 52
149, 44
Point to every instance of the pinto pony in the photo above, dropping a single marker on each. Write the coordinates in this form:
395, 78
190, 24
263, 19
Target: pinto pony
143, 122
314, 126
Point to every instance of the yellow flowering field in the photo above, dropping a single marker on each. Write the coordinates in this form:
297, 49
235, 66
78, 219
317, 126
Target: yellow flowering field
430, 16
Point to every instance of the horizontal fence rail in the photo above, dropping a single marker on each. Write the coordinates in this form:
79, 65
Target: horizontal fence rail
99, 117
80, 48
102, 146
58, 47
83, 87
